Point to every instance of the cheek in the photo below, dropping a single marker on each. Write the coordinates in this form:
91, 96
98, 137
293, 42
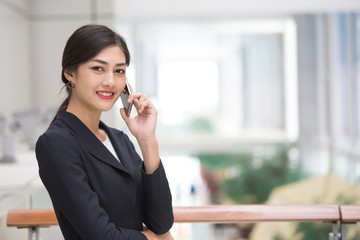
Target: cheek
121, 85
89, 80
84, 86
117, 97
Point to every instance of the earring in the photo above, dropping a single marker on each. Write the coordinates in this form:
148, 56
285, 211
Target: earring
70, 85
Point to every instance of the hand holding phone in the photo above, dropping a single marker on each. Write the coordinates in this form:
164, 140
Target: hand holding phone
124, 98
143, 126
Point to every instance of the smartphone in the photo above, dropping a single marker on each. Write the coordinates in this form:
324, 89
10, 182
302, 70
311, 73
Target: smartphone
124, 98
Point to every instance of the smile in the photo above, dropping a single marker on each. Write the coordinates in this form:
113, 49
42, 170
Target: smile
105, 94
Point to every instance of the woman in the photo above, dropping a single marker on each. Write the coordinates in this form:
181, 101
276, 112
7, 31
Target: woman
99, 186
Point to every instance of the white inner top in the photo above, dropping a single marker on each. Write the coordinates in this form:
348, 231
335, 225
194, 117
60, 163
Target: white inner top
109, 146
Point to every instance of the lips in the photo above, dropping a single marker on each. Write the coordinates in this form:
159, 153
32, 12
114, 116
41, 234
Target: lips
105, 94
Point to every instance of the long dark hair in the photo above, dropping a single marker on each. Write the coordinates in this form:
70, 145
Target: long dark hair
84, 44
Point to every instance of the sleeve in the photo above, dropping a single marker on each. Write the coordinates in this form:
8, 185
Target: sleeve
63, 174
158, 211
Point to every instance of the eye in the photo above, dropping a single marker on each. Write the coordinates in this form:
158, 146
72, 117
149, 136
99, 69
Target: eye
97, 68
120, 71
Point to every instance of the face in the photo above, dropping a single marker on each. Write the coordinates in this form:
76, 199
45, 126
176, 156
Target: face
99, 81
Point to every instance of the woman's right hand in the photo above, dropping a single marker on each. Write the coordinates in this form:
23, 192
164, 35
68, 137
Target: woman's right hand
152, 236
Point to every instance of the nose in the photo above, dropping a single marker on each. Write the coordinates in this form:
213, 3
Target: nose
109, 80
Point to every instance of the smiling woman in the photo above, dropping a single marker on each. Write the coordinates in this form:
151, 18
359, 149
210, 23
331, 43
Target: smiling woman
102, 77
99, 186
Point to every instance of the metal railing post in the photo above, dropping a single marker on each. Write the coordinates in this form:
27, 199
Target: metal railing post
34, 231
334, 235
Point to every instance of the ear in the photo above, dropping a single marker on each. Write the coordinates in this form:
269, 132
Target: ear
69, 75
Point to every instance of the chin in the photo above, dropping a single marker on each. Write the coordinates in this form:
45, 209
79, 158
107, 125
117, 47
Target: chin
106, 108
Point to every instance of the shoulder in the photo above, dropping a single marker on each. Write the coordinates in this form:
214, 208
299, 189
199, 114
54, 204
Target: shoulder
121, 136
57, 131
118, 134
57, 137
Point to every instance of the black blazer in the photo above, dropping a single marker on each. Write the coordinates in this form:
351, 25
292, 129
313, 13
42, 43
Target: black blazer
94, 196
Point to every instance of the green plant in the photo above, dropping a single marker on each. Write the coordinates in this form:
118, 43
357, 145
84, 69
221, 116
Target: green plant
317, 231
249, 179
200, 124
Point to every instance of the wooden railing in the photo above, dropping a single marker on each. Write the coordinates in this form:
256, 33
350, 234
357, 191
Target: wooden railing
257, 213
335, 214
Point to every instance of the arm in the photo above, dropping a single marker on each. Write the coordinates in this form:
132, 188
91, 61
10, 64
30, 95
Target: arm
63, 175
158, 215
158, 211
143, 127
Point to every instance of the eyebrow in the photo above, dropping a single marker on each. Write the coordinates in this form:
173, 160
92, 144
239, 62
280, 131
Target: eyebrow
105, 63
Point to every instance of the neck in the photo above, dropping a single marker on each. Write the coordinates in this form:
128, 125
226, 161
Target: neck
90, 118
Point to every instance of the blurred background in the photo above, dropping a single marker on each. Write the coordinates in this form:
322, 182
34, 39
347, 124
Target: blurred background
258, 101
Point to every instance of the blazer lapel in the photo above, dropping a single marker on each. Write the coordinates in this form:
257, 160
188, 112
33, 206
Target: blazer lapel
90, 141
120, 147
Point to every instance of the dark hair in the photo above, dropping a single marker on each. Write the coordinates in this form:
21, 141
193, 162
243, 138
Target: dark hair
84, 44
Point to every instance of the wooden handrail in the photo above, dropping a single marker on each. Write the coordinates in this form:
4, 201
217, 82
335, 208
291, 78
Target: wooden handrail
215, 213
257, 213
31, 218
350, 213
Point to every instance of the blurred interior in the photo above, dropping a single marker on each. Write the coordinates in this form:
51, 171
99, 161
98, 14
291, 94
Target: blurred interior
254, 98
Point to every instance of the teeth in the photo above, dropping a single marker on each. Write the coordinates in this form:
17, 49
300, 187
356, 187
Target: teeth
104, 94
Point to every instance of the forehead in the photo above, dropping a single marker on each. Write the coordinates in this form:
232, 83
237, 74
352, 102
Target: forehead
110, 54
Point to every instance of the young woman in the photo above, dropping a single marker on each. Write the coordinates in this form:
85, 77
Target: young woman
99, 186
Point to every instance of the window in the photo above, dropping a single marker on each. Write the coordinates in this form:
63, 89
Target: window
221, 79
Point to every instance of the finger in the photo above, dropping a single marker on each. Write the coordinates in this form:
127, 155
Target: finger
144, 103
139, 106
132, 91
131, 88
138, 100
123, 114
134, 96
136, 103
142, 100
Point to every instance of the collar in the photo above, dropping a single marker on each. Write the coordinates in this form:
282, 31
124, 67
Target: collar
96, 148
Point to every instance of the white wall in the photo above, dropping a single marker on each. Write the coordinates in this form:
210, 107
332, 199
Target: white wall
33, 34
52, 24
15, 80
143, 9
14, 57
